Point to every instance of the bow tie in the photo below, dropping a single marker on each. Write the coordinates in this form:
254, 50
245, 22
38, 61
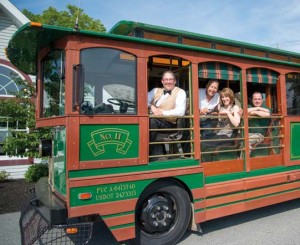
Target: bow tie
169, 92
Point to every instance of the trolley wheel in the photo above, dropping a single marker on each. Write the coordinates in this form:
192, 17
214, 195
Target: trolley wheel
163, 214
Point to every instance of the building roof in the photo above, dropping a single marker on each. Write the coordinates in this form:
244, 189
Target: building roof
16, 16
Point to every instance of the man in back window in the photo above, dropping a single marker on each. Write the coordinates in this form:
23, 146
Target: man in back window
256, 135
169, 102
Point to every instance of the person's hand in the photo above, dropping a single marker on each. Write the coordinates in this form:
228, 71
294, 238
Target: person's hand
240, 112
156, 111
204, 111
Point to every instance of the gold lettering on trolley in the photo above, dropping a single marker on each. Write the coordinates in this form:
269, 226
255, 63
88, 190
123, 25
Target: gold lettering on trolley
118, 136
109, 136
118, 191
105, 137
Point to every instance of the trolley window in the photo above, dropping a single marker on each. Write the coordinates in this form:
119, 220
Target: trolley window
109, 81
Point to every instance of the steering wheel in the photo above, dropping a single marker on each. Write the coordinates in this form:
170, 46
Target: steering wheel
121, 102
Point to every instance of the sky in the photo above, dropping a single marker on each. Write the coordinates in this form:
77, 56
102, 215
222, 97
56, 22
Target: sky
272, 23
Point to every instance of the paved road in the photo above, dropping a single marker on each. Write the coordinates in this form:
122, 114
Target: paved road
275, 225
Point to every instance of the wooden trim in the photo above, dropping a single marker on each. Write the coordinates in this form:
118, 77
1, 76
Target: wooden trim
73, 58
225, 188
123, 234
245, 119
225, 199
51, 122
266, 181
250, 194
108, 163
200, 217
72, 143
250, 183
198, 193
266, 161
195, 110
142, 85
223, 167
262, 202
119, 220
199, 205
104, 208
144, 140
104, 119
249, 205
118, 178
272, 190
225, 211
287, 140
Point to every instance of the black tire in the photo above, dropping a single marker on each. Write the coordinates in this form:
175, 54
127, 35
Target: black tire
163, 214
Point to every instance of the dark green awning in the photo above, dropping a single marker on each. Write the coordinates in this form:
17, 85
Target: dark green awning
219, 70
261, 75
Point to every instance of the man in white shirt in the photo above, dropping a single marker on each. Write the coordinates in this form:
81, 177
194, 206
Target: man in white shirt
209, 99
169, 101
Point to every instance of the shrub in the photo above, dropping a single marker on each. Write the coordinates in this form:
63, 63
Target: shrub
4, 176
35, 172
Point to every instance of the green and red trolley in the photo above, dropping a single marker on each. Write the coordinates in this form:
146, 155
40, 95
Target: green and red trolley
92, 91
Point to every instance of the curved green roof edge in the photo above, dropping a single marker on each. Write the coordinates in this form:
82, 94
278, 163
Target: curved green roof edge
25, 43
124, 27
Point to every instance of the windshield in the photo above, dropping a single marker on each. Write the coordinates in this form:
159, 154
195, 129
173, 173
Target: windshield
109, 82
53, 84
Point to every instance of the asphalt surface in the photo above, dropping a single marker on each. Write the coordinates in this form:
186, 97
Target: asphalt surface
275, 225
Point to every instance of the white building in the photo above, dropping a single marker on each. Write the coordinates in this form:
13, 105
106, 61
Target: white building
10, 20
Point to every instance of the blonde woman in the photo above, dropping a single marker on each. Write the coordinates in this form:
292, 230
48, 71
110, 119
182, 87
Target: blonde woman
226, 124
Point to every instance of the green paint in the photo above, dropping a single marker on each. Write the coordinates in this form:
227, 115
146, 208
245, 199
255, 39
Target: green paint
193, 181
109, 192
295, 149
122, 226
59, 160
116, 215
103, 142
125, 190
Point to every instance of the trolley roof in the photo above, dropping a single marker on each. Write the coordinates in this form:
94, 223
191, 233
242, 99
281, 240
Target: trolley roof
30, 38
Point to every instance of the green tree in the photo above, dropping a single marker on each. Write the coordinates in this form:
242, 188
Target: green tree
20, 112
52, 16
21, 109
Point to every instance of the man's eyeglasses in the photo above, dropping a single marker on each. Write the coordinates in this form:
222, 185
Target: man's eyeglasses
168, 79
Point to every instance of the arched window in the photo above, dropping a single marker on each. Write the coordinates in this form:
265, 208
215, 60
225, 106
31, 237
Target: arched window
8, 78
8, 88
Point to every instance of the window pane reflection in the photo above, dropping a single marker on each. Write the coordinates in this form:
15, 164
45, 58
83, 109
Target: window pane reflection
109, 82
293, 93
53, 84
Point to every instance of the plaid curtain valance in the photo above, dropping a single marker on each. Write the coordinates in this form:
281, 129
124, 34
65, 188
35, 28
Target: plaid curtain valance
261, 75
218, 70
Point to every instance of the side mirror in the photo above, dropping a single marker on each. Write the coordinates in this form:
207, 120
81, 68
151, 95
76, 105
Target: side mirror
45, 148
